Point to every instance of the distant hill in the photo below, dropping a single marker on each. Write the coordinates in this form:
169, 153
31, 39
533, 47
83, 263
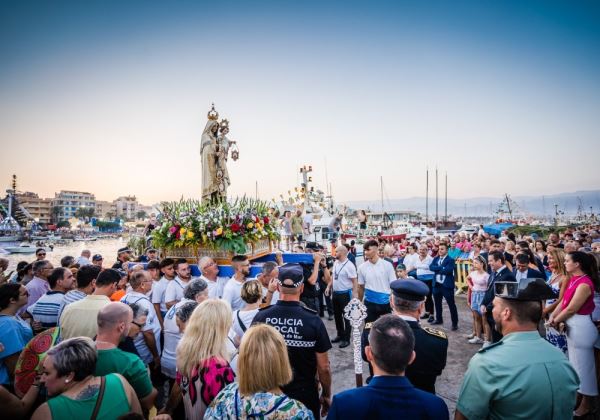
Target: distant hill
485, 206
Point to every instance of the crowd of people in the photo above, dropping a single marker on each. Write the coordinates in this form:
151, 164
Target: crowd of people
155, 336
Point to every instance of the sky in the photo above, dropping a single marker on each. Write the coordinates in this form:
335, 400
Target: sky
111, 97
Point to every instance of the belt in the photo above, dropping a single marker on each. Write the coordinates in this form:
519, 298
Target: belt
342, 292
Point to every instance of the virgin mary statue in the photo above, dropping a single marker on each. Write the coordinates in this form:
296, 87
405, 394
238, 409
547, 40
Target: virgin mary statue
208, 152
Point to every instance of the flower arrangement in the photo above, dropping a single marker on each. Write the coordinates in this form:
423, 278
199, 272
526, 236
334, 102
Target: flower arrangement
223, 225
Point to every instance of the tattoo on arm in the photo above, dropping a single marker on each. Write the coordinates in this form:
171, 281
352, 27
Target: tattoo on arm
88, 392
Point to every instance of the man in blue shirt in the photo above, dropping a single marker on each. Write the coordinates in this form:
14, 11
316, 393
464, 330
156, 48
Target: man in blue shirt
389, 394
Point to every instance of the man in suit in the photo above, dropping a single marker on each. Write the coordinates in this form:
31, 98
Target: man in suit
523, 271
431, 345
389, 394
443, 285
500, 272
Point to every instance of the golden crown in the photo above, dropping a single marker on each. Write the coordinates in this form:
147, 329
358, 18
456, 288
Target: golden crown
213, 114
224, 123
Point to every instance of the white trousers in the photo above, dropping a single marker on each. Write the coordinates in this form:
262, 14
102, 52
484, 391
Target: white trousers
581, 336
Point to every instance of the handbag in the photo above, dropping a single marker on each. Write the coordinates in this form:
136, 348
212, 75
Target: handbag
99, 399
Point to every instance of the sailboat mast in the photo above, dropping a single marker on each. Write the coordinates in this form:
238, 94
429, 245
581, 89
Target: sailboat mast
436, 198
427, 195
381, 183
446, 201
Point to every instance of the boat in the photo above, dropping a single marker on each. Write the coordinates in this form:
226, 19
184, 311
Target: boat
24, 248
9, 238
83, 239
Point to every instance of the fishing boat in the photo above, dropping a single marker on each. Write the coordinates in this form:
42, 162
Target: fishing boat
24, 248
84, 239
9, 238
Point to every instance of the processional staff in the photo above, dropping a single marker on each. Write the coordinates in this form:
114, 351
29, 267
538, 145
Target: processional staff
356, 312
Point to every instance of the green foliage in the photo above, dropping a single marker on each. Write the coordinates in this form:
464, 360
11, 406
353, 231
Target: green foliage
137, 244
220, 225
63, 223
84, 212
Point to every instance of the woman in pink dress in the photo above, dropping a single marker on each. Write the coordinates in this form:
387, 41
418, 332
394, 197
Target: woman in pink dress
573, 313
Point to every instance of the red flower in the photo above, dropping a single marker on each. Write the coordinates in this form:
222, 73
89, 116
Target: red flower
235, 227
266, 220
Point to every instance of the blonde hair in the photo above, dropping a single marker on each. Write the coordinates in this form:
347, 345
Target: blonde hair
558, 255
263, 362
251, 291
205, 335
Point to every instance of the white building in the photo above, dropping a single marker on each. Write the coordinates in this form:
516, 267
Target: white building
126, 207
69, 201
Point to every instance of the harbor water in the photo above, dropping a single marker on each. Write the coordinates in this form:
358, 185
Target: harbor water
105, 247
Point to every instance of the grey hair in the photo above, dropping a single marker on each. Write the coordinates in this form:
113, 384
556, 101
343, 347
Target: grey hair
194, 288
136, 279
77, 355
406, 305
185, 311
39, 265
138, 310
202, 261
268, 267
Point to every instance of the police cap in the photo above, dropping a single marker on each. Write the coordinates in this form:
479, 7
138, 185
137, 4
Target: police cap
291, 275
409, 289
524, 290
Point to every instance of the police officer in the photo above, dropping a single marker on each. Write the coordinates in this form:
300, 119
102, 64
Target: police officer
389, 395
431, 345
306, 338
522, 376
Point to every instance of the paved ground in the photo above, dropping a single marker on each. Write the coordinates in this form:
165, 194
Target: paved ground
447, 385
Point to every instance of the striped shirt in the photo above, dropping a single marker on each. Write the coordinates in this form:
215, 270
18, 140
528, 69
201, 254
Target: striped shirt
70, 297
45, 310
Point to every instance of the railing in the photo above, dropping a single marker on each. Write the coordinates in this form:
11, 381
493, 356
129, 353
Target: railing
462, 268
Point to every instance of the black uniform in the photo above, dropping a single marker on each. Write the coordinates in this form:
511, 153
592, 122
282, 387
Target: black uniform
431, 350
305, 335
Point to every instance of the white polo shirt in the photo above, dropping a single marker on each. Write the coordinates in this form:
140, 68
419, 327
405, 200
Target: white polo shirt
175, 289
376, 278
343, 273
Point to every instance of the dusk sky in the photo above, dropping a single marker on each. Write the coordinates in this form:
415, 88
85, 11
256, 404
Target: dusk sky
111, 97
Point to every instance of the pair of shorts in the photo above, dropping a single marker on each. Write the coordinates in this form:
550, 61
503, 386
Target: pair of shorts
476, 299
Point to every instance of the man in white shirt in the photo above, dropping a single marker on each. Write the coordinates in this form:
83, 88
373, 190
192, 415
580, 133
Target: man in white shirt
174, 291
147, 342
159, 288
410, 260
233, 288
195, 292
307, 223
344, 287
374, 278
84, 258
268, 280
210, 274
425, 275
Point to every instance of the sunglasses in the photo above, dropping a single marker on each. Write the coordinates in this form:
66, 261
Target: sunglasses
138, 324
40, 254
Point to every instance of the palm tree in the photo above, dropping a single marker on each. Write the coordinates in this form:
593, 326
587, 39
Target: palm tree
141, 214
55, 213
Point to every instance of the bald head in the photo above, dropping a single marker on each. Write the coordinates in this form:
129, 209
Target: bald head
112, 315
3, 264
341, 252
